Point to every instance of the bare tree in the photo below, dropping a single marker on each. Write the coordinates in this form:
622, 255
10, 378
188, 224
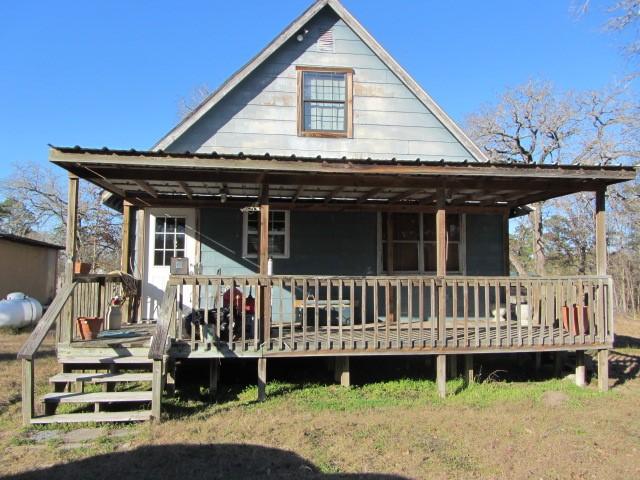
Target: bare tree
188, 104
530, 124
40, 196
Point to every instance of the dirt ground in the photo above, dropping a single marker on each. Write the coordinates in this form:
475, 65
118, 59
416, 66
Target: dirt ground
543, 429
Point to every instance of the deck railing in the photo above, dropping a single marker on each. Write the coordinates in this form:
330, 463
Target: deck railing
334, 314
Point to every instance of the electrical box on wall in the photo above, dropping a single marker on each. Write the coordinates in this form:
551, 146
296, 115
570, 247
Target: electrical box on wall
179, 266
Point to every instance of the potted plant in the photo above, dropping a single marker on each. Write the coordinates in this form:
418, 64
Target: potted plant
89, 327
114, 317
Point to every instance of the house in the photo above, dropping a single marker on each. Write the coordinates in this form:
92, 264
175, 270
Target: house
319, 203
33, 265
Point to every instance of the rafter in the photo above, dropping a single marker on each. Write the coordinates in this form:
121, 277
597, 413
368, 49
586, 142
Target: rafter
298, 193
147, 188
334, 193
186, 189
406, 194
370, 193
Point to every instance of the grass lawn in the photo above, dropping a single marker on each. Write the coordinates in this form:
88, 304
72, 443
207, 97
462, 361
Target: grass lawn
384, 427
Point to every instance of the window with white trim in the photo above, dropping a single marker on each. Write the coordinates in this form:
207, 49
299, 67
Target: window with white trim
414, 242
169, 240
278, 234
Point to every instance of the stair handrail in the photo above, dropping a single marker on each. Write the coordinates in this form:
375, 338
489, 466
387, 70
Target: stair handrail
166, 316
30, 347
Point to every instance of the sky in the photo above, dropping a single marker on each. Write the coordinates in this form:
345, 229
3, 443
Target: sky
112, 73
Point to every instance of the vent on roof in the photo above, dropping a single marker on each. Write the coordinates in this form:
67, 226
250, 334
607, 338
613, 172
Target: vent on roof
325, 41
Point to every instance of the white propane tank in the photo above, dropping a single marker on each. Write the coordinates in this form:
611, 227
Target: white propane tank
19, 310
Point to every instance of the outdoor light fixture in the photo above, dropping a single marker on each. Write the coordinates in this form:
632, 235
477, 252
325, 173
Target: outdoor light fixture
300, 36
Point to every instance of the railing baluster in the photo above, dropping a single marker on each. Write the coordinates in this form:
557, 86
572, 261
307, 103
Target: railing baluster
387, 306
518, 312
293, 314
398, 312
410, 341
305, 293
421, 313
465, 310
352, 312
487, 312
476, 310
375, 314
454, 311
507, 305
316, 316
432, 298
340, 313
363, 314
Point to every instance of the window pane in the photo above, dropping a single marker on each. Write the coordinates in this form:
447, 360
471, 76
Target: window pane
167, 258
276, 244
324, 116
453, 258
180, 224
453, 227
430, 261
169, 242
406, 226
159, 225
324, 86
405, 257
159, 241
170, 224
179, 253
429, 226
252, 244
252, 221
158, 257
180, 241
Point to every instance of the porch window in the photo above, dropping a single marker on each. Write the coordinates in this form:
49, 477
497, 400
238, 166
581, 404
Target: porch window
169, 240
414, 242
278, 234
325, 102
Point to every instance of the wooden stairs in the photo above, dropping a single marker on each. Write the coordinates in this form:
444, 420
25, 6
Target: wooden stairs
99, 389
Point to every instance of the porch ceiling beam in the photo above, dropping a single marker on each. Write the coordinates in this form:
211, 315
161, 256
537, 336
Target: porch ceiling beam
406, 194
147, 188
298, 193
186, 189
334, 193
369, 194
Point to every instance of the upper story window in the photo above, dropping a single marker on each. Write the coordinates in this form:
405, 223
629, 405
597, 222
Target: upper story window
325, 102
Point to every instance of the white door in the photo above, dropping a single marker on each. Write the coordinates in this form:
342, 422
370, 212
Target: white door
171, 234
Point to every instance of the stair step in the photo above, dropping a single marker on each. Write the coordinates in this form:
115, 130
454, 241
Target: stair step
97, 397
101, 377
132, 416
106, 360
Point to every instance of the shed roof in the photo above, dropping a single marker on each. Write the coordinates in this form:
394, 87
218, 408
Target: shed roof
149, 178
29, 241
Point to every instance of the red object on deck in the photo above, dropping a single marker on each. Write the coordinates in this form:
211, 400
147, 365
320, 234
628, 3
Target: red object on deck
237, 299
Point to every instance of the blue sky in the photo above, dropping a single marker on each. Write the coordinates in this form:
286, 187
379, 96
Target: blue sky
113, 72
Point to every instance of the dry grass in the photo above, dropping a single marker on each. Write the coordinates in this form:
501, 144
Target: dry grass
392, 429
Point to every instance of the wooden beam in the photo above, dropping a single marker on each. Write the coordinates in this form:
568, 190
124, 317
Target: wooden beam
214, 374
603, 370
125, 241
156, 391
72, 225
298, 193
441, 375
186, 189
441, 235
406, 194
601, 232
28, 386
342, 373
147, 188
469, 376
581, 370
262, 379
334, 193
264, 230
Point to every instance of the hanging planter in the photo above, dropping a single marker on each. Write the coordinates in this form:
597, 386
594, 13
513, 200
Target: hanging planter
89, 327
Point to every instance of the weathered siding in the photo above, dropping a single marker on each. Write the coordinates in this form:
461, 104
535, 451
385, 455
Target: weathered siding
260, 115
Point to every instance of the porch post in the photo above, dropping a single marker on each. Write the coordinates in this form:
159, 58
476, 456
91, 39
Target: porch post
603, 370
390, 267
262, 379
441, 264
126, 239
72, 225
265, 308
581, 377
469, 376
601, 233
342, 372
441, 375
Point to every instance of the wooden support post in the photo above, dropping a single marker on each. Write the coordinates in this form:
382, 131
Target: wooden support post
265, 291
342, 373
141, 229
601, 232
453, 366
441, 375
170, 375
391, 308
441, 265
469, 376
27, 391
214, 373
156, 391
126, 237
262, 379
603, 370
72, 225
581, 379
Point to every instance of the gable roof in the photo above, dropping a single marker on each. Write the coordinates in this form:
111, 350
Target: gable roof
288, 33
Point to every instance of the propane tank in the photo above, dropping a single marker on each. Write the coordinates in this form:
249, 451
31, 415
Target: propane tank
19, 310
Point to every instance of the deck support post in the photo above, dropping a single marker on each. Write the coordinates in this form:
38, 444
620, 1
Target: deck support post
453, 366
214, 374
342, 371
441, 375
601, 232
469, 376
603, 370
538, 361
581, 379
441, 264
265, 291
156, 391
27, 391
262, 379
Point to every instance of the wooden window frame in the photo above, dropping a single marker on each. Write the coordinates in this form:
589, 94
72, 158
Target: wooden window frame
462, 248
348, 133
286, 234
